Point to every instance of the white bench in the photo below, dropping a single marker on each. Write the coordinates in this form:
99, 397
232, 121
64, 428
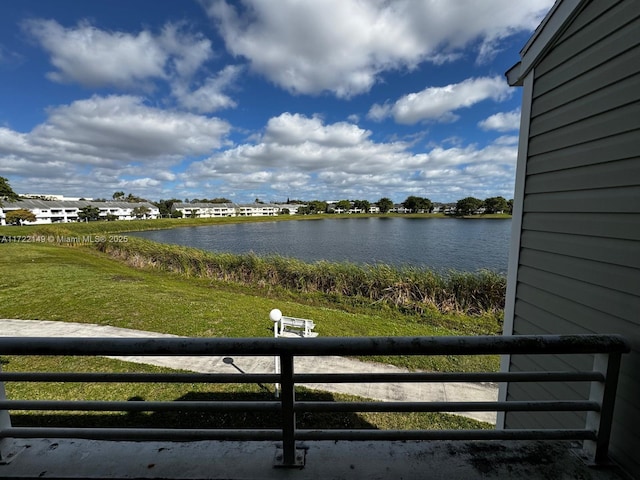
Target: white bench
282, 325
300, 325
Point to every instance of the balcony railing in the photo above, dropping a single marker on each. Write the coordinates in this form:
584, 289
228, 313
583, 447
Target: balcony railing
603, 378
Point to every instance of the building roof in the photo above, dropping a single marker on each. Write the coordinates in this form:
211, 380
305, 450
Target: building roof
203, 205
31, 204
551, 27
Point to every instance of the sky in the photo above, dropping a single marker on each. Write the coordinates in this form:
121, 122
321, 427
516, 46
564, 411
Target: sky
262, 99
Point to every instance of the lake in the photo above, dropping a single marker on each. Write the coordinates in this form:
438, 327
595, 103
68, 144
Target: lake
437, 243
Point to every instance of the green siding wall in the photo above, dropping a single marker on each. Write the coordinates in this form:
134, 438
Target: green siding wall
579, 264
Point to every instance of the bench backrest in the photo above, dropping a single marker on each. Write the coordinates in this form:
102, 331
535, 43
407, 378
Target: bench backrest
301, 323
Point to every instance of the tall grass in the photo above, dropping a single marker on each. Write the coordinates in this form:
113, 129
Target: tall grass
407, 288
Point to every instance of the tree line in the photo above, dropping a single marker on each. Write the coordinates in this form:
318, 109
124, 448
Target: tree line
413, 204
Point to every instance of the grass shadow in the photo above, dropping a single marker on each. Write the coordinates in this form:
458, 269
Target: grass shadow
193, 419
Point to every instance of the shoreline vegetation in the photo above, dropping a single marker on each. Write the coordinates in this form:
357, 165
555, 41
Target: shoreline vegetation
405, 288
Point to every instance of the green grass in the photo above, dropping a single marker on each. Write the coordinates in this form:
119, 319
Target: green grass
86, 228
189, 392
406, 289
76, 284
82, 284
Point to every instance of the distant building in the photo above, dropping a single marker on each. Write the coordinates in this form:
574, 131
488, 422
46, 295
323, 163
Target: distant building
66, 211
205, 210
399, 208
257, 210
213, 210
50, 197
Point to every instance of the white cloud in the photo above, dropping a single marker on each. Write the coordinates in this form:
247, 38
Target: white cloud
210, 96
123, 127
506, 140
502, 122
302, 157
288, 129
107, 140
97, 58
343, 46
186, 52
439, 103
100, 145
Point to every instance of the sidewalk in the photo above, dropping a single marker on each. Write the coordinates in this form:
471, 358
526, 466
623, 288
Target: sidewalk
432, 392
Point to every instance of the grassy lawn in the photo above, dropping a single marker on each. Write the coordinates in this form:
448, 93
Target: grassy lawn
80, 284
191, 392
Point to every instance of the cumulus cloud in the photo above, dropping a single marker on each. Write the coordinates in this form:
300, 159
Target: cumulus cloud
440, 103
109, 138
96, 58
104, 144
93, 58
302, 156
294, 129
502, 122
123, 127
343, 46
211, 95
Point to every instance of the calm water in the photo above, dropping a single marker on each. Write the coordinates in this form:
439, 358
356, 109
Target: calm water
440, 244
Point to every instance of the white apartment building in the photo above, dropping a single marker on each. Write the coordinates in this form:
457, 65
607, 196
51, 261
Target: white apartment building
205, 210
66, 211
212, 210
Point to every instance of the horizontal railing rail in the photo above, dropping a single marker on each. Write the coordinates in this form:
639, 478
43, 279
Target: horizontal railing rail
599, 405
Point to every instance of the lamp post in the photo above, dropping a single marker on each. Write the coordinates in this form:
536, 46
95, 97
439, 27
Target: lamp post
276, 315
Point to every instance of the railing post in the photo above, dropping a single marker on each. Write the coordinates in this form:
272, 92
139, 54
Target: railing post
605, 394
5, 418
289, 456
8, 451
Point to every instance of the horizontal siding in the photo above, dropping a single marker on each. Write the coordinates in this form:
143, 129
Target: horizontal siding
604, 200
598, 102
620, 226
612, 122
617, 304
538, 319
592, 14
604, 150
572, 58
554, 363
541, 419
568, 316
579, 259
601, 175
617, 69
618, 277
547, 390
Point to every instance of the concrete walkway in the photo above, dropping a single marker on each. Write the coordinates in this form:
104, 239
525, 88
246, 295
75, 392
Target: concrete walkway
432, 392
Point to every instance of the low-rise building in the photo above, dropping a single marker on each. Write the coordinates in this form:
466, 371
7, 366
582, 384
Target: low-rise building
205, 210
212, 210
66, 211
257, 210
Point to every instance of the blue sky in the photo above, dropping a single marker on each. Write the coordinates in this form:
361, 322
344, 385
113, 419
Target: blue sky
315, 99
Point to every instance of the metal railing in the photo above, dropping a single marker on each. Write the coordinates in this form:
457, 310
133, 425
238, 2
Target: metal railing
607, 350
